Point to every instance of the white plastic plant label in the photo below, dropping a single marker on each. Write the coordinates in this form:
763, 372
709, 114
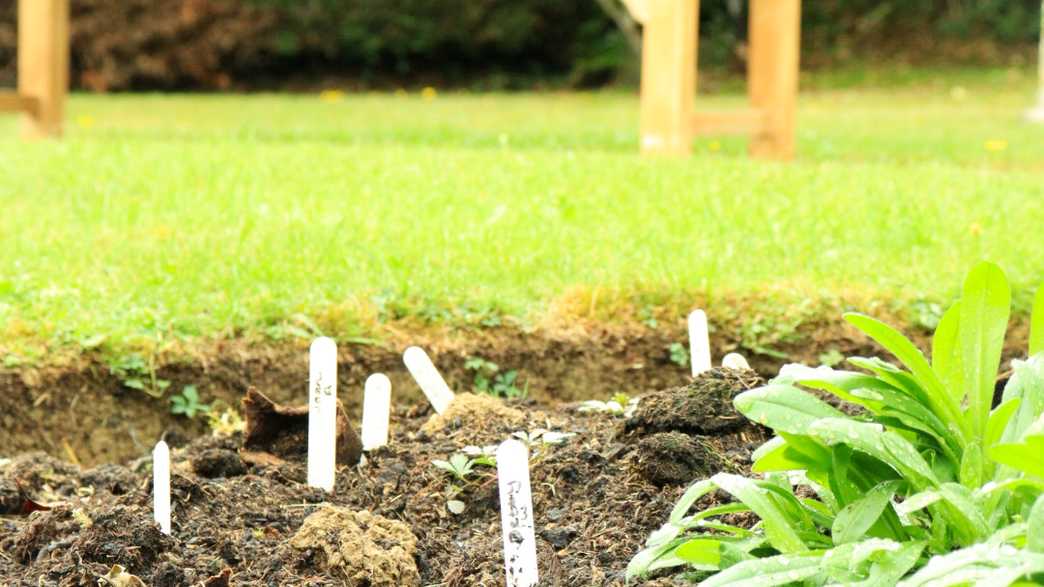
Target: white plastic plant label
734, 361
516, 514
322, 413
161, 486
699, 343
376, 411
428, 378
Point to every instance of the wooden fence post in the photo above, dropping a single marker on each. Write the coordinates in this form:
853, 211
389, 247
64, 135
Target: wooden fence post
668, 87
43, 64
774, 36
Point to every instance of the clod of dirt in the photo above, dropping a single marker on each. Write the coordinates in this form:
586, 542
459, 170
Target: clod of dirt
119, 577
282, 431
120, 535
701, 407
364, 548
213, 463
480, 418
11, 498
675, 458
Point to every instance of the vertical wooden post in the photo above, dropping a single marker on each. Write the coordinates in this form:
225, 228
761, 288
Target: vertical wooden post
43, 64
775, 46
669, 45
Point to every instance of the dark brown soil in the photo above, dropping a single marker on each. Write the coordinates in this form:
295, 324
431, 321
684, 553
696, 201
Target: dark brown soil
595, 502
703, 406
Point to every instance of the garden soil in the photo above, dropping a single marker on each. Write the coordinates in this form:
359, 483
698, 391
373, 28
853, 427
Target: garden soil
237, 521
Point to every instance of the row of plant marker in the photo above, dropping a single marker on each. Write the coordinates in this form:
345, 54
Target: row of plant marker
516, 501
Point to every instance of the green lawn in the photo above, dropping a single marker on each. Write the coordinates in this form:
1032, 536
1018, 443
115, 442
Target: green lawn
178, 217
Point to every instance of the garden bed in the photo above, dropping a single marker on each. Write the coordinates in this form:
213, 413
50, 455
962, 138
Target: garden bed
597, 495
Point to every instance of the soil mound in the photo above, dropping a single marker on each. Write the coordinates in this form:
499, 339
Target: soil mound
671, 458
364, 548
475, 419
701, 407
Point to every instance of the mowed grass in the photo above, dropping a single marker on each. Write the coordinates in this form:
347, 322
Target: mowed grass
186, 217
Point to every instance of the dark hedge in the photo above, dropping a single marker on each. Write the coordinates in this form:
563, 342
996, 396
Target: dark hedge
214, 44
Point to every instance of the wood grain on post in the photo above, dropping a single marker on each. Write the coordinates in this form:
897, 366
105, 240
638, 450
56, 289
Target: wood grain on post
775, 39
669, 45
43, 64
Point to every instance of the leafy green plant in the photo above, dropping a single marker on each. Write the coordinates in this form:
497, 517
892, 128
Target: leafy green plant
679, 354
490, 380
460, 466
928, 484
135, 372
187, 403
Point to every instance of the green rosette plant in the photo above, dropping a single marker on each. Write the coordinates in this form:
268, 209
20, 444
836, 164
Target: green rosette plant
926, 483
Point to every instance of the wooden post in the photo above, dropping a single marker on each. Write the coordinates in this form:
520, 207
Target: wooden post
43, 64
774, 36
668, 87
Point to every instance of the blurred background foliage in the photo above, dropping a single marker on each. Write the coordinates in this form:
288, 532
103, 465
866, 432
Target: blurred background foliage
484, 44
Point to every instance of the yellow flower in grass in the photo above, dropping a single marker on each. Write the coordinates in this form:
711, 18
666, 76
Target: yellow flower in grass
429, 93
85, 121
975, 229
331, 95
996, 145
714, 146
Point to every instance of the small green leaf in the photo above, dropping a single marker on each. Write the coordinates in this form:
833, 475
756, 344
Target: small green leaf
778, 530
972, 466
984, 310
998, 421
767, 572
855, 519
704, 554
690, 497
784, 408
1026, 384
946, 356
1035, 526
1024, 456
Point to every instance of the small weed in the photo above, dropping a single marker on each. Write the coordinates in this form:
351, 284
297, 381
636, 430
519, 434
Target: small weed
679, 354
831, 358
763, 333
460, 466
224, 421
620, 404
926, 314
539, 436
648, 317
490, 380
187, 404
135, 372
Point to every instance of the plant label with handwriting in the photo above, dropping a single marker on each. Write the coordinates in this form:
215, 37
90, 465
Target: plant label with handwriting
161, 486
428, 378
699, 343
322, 413
516, 514
376, 411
